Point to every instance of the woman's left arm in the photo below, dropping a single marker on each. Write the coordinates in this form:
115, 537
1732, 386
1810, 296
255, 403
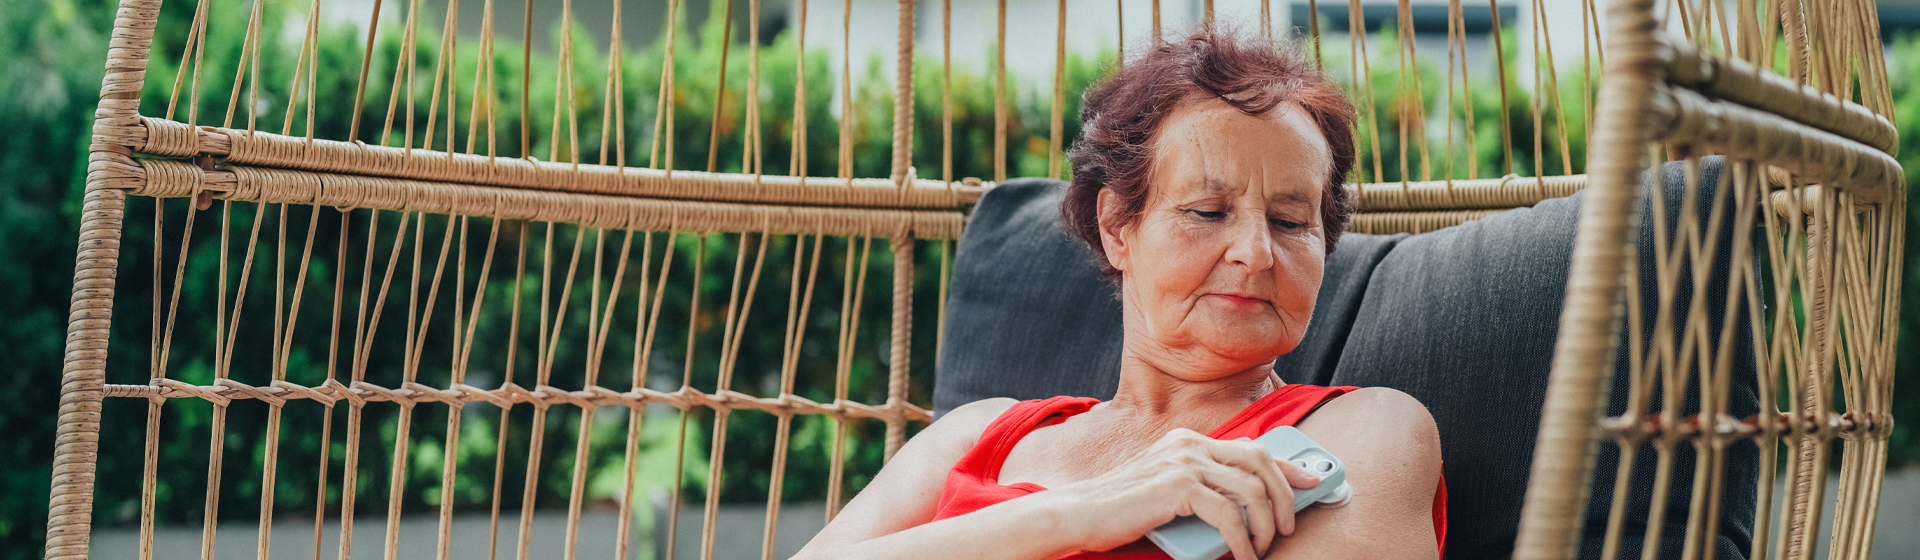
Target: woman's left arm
1391, 450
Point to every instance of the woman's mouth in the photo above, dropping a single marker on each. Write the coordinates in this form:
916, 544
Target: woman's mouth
1240, 299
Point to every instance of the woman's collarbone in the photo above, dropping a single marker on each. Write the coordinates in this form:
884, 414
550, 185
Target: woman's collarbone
1064, 454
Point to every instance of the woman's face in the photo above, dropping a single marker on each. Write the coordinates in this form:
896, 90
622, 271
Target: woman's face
1220, 271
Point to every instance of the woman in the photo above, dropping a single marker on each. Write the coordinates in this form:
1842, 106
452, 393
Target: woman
1208, 181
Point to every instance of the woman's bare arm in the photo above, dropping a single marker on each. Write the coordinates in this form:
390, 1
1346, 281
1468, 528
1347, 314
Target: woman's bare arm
1231, 484
889, 518
1391, 449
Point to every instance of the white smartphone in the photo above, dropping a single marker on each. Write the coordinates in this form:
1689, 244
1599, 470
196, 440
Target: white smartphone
1190, 538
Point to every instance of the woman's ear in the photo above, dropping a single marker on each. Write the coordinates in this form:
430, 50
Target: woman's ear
1113, 235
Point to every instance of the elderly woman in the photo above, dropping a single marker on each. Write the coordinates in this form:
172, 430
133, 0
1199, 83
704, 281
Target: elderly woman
1208, 181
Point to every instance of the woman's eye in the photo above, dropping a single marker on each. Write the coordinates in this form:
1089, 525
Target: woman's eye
1287, 225
1208, 215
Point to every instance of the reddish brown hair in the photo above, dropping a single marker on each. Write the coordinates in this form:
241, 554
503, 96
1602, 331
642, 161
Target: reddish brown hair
1122, 117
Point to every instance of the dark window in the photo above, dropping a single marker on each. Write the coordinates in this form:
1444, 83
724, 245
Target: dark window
1426, 18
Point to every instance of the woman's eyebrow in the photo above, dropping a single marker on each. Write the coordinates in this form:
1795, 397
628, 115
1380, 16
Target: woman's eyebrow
1291, 197
1215, 186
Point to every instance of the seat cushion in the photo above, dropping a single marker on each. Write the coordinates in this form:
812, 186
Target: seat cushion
1463, 319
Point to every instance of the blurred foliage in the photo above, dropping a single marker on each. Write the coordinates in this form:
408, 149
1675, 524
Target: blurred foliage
50, 85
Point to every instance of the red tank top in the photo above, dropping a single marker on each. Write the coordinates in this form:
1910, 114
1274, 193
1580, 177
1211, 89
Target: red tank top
974, 481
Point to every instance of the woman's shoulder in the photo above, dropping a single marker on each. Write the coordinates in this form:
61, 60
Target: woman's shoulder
1379, 417
977, 414
961, 427
1385, 403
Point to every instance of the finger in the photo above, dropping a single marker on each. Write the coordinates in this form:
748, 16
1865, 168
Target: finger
1224, 514
1251, 457
1298, 477
1253, 494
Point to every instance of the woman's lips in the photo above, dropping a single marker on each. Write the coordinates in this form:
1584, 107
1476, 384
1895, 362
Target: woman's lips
1240, 299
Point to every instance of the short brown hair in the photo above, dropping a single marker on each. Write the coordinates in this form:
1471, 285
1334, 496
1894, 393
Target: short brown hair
1121, 118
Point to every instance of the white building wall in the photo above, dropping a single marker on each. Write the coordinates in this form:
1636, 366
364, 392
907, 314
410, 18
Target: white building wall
1096, 26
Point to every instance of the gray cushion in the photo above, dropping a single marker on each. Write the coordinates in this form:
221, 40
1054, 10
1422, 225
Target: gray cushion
1463, 319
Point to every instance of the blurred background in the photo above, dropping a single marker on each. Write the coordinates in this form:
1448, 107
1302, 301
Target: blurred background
50, 77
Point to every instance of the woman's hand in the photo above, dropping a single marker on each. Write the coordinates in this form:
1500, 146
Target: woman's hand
1186, 473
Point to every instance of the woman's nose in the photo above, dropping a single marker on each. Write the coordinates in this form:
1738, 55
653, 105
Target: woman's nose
1252, 244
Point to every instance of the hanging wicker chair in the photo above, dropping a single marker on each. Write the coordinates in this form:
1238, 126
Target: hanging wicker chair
1796, 241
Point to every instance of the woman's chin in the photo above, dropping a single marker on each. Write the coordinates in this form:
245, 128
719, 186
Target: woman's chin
1252, 347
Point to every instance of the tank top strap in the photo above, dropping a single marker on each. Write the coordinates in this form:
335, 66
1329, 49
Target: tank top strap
1019, 420
1285, 406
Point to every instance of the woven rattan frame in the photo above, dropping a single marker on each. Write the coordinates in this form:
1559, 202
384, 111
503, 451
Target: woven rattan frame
1824, 188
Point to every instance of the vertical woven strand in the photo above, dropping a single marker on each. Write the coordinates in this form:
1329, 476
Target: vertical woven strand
402, 83
366, 63
751, 158
513, 346
1363, 81
224, 334
304, 62
643, 329
332, 382
720, 89
852, 291
282, 346
598, 325
410, 373
164, 343
443, 75
1059, 90
1809, 477
846, 91
940, 328
1414, 124
1500, 69
946, 92
738, 309
1552, 92
549, 345
1576, 394
790, 365
363, 348
1157, 39
1745, 211
686, 383
1748, 178
450, 442
797, 162
403, 418
1313, 30
1000, 93
897, 359
902, 173
1266, 20
457, 379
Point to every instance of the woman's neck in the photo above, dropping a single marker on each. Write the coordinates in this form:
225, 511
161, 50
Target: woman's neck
1148, 392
